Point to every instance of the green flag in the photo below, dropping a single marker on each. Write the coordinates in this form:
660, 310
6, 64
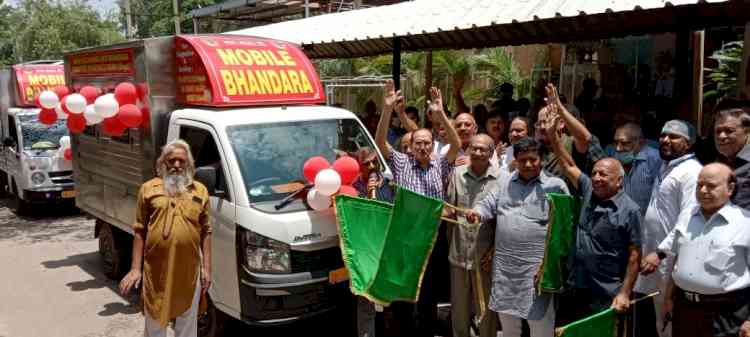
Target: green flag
553, 271
362, 229
385, 248
603, 324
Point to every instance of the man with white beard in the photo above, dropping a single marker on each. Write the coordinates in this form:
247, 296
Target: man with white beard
173, 244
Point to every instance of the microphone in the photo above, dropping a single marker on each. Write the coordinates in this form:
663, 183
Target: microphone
372, 190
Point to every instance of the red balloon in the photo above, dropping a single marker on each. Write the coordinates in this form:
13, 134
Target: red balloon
90, 92
48, 116
64, 106
130, 115
76, 123
348, 169
313, 166
61, 92
145, 116
113, 127
348, 190
126, 93
142, 89
68, 154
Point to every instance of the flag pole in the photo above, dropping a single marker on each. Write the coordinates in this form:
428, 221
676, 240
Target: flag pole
645, 297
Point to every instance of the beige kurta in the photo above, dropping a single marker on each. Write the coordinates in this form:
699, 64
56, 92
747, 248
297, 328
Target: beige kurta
174, 228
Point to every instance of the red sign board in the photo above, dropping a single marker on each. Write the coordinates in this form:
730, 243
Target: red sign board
31, 79
227, 70
113, 62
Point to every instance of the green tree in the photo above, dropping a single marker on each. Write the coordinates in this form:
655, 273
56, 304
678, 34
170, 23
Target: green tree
6, 33
499, 63
722, 80
43, 29
153, 18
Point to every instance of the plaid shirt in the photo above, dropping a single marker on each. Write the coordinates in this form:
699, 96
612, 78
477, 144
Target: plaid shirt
430, 181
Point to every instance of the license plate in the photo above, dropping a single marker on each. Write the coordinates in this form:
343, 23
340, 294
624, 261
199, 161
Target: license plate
338, 275
69, 194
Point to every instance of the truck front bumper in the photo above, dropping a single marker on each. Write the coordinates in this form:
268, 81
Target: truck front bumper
277, 299
56, 194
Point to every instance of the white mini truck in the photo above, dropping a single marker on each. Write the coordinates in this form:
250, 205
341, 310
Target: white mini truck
250, 110
33, 170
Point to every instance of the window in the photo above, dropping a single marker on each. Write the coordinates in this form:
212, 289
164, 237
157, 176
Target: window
271, 155
38, 136
205, 152
12, 132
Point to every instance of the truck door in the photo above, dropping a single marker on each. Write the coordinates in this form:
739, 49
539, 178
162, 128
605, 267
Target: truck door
207, 151
12, 153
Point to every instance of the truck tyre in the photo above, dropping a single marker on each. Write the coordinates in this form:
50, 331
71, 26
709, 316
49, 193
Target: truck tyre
20, 206
4, 187
113, 265
213, 322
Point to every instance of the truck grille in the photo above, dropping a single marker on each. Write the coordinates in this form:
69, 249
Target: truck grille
61, 177
60, 174
321, 260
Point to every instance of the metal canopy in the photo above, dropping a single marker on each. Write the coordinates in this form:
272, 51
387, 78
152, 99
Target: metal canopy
450, 24
269, 11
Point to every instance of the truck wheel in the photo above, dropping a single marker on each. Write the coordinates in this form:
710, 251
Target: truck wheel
112, 262
4, 187
20, 206
213, 322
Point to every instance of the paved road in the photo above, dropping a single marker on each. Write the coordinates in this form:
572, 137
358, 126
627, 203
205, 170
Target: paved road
51, 282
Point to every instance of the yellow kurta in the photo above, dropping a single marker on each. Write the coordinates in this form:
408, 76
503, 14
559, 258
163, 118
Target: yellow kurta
174, 228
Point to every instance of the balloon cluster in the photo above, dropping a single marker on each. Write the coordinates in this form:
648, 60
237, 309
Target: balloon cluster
116, 111
64, 151
329, 180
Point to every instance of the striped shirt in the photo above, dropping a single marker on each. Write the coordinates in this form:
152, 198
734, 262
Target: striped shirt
430, 181
639, 180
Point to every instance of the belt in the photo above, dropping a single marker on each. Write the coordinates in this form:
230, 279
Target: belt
730, 297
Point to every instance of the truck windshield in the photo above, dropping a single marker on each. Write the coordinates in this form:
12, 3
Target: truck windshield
37, 136
271, 156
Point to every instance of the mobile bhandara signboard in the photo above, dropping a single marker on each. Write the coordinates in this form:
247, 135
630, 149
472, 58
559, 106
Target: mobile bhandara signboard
31, 79
226, 70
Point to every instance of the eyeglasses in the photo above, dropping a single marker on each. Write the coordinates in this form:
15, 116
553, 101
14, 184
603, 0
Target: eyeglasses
480, 149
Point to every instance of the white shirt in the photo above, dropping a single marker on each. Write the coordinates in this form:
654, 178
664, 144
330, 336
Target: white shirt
439, 148
673, 193
504, 160
713, 255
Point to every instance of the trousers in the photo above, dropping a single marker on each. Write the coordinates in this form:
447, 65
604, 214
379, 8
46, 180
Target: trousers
186, 324
545, 327
464, 306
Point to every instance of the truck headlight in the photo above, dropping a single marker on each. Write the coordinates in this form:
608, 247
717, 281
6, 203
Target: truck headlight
264, 254
38, 178
39, 164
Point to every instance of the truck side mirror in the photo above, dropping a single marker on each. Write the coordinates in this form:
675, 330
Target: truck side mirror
207, 176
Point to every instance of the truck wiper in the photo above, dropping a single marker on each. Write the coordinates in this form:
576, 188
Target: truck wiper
286, 201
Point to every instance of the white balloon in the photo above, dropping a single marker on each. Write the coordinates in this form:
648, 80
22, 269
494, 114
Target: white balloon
106, 106
91, 116
327, 182
64, 142
60, 113
48, 99
75, 103
317, 200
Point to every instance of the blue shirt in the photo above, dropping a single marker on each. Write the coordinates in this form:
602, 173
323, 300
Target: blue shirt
430, 181
607, 230
522, 212
639, 180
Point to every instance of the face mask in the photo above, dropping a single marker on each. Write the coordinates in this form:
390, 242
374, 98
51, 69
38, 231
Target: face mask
625, 157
